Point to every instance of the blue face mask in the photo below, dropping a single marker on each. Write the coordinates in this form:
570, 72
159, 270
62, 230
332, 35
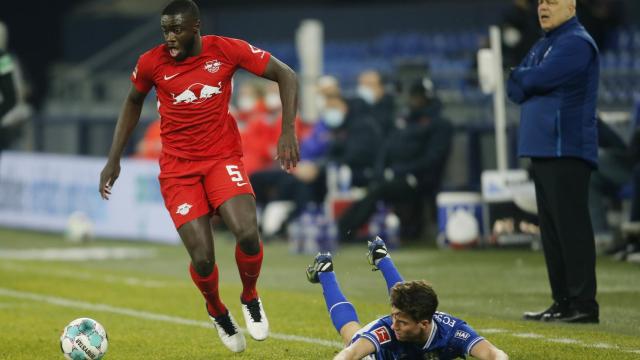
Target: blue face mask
333, 118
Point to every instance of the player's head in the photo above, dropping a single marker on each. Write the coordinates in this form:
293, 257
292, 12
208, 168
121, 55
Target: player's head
180, 22
413, 304
553, 13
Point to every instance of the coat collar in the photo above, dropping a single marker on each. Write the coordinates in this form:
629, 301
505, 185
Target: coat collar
572, 22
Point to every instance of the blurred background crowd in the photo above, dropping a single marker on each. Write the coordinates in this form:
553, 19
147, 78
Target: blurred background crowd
399, 115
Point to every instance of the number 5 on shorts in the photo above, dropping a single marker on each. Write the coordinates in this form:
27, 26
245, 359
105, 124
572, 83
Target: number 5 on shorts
235, 174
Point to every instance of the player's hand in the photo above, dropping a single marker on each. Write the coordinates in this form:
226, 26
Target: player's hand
288, 151
108, 176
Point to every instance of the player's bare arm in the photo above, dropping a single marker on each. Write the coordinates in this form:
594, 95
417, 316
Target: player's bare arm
127, 121
484, 350
356, 351
288, 151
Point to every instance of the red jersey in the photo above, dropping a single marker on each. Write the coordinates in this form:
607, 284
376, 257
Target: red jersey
194, 94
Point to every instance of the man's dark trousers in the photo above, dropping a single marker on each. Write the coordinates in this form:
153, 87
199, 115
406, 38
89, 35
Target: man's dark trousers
562, 192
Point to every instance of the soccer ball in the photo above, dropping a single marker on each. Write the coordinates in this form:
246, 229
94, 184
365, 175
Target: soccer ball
84, 339
79, 227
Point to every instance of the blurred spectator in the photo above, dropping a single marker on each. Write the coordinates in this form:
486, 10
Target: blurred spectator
308, 181
261, 126
14, 111
7, 87
613, 172
150, 146
250, 104
602, 19
327, 86
520, 30
410, 165
372, 100
363, 124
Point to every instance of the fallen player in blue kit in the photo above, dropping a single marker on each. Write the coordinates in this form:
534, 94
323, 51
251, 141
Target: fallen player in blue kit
413, 330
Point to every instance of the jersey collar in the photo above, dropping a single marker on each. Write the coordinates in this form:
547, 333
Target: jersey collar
432, 335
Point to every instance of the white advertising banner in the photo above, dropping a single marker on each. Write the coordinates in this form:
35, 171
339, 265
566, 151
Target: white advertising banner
40, 191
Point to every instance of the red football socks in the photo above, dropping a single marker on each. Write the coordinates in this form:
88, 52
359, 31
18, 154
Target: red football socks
209, 288
249, 269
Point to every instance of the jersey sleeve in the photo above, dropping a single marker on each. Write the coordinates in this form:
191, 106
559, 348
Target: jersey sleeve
464, 338
142, 75
378, 333
249, 57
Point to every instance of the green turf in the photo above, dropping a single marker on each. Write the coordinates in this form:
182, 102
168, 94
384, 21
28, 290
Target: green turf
489, 289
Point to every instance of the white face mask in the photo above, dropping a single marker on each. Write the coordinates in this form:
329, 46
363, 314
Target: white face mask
366, 94
272, 101
246, 103
333, 117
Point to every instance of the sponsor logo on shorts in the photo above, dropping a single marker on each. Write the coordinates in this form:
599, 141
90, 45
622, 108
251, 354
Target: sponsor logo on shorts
382, 334
184, 209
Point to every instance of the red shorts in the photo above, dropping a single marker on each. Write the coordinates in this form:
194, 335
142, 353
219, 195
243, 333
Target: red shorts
192, 188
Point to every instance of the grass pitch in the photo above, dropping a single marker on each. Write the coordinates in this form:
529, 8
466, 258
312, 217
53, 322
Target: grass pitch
151, 310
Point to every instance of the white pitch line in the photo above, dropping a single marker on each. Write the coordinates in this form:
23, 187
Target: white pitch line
53, 300
77, 253
528, 335
567, 341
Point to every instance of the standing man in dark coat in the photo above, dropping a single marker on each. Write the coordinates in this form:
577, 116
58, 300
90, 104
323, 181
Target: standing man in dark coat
557, 85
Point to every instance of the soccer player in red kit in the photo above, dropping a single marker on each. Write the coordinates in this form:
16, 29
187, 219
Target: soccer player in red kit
201, 170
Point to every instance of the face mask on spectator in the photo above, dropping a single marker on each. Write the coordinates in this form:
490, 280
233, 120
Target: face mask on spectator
272, 101
246, 103
366, 94
333, 117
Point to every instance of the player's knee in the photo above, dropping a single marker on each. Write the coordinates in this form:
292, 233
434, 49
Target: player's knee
248, 240
203, 266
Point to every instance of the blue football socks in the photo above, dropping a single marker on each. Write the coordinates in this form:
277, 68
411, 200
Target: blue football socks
389, 271
340, 310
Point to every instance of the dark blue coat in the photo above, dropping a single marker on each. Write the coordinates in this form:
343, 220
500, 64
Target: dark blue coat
557, 86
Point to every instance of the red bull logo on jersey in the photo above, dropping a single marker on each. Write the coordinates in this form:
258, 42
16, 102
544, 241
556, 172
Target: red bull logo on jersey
197, 93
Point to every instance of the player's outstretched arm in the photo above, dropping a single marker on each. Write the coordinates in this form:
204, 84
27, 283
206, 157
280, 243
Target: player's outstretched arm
356, 351
127, 121
288, 150
484, 350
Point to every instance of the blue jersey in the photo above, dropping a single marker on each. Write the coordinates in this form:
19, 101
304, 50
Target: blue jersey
450, 338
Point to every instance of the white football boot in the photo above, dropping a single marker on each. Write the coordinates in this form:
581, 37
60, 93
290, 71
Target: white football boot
256, 319
229, 332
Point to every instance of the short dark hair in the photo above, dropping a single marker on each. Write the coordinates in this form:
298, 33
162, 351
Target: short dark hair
415, 298
176, 7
